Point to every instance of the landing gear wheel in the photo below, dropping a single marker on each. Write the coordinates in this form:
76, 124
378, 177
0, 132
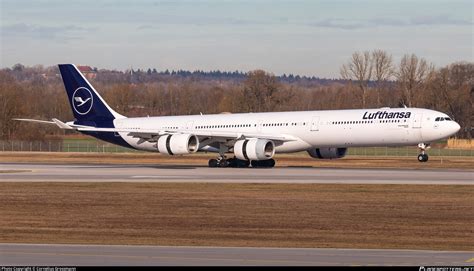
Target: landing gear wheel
423, 157
237, 163
263, 163
233, 162
271, 163
420, 158
224, 163
213, 163
245, 163
242, 163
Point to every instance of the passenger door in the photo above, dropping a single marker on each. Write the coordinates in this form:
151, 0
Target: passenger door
417, 120
315, 123
190, 125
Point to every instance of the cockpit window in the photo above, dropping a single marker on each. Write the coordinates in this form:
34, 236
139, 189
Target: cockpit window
443, 119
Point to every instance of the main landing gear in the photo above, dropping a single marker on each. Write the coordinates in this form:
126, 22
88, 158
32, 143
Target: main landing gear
222, 161
237, 163
231, 162
423, 156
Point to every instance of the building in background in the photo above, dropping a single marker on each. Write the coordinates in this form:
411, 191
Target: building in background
88, 72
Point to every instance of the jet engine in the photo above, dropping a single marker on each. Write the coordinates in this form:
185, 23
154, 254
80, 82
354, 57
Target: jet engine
254, 149
178, 144
327, 153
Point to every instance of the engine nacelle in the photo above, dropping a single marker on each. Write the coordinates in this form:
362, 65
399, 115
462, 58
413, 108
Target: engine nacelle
254, 149
327, 153
178, 144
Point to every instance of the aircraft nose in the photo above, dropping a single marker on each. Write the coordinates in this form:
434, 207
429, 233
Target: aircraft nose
457, 127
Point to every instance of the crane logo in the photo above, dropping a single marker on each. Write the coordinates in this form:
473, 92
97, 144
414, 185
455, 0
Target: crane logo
82, 100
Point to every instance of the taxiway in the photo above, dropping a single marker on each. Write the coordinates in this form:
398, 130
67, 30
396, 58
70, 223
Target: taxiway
166, 173
100, 255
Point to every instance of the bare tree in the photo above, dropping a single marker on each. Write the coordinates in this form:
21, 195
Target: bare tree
470, 120
260, 91
11, 105
120, 97
359, 68
412, 73
383, 70
450, 91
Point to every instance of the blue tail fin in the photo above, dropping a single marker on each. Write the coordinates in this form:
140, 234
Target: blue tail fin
87, 105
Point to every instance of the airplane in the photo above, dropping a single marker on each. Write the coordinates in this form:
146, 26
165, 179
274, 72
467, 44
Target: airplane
253, 138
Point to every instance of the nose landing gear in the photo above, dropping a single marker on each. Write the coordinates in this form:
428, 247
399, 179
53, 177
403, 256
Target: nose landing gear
423, 156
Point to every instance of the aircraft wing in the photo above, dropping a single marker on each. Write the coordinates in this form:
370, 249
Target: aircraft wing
153, 135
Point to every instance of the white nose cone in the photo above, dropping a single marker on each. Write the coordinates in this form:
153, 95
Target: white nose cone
456, 127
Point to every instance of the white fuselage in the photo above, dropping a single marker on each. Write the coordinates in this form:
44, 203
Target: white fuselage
332, 128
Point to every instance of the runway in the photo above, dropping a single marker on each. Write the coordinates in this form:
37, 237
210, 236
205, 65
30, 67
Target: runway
149, 173
100, 255
50, 254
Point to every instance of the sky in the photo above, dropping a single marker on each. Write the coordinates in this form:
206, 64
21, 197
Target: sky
311, 38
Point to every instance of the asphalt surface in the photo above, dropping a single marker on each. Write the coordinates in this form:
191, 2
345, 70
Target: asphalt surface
35, 254
44, 254
147, 173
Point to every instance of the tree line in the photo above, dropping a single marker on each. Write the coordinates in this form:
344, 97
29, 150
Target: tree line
368, 80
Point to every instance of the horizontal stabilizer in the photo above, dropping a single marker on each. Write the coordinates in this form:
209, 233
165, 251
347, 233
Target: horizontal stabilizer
62, 125
38, 121
59, 123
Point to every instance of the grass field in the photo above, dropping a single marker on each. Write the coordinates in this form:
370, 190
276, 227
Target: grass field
274, 215
282, 160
